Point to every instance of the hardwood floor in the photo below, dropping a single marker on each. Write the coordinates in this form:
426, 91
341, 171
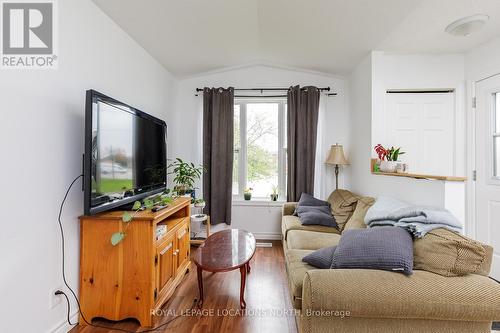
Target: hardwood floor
269, 308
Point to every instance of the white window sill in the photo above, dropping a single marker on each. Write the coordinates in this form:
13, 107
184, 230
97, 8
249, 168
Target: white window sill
258, 203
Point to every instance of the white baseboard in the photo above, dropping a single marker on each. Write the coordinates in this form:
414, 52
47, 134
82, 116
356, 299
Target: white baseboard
63, 326
267, 235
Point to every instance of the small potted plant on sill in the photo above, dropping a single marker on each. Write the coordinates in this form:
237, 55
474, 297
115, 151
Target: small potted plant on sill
185, 175
199, 203
274, 195
247, 194
388, 158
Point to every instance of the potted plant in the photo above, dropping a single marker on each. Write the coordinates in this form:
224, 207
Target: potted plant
388, 157
162, 199
185, 175
247, 194
200, 203
274, 195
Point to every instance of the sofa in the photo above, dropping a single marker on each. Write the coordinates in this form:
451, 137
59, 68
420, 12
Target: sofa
363, 300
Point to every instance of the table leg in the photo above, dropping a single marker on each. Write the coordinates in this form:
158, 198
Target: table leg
200, 286
243, 272
248, 267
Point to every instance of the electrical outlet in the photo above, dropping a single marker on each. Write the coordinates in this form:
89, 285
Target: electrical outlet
55, 300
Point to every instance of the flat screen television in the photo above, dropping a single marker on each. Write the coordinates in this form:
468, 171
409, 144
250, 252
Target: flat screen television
125, 154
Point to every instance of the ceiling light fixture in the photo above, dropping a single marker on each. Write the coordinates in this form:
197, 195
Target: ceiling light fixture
467, 25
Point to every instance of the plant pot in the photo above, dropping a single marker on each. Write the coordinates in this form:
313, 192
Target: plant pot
247, 196
274, 197
200, 205
388, 166
181, 190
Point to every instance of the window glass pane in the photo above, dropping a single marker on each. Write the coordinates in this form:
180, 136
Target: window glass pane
496, 156
262, 148
236, 149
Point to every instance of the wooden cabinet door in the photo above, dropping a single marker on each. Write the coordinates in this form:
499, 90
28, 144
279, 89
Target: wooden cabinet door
166, 263
183, 245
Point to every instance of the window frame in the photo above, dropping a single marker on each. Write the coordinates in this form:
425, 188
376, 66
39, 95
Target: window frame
242, 150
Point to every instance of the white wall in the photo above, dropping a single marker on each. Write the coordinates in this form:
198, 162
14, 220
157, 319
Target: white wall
42, 144
186, 140
483, 61
364, 96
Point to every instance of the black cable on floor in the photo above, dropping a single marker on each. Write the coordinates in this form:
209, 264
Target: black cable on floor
71, 289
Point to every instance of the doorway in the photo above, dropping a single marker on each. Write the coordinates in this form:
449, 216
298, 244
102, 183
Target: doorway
487, 166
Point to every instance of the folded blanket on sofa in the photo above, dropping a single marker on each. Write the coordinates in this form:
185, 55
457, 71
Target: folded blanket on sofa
418, 220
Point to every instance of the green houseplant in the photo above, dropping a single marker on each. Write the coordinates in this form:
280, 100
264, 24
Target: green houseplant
274, 195
127, 217
185, 175
247, 194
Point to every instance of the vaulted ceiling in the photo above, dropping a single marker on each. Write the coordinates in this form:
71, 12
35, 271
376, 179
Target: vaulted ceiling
331, 36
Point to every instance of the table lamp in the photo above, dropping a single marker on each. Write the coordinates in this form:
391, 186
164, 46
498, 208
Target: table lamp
336, 157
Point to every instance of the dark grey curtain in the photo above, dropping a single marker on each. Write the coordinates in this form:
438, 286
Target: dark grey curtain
302, 122
218, 124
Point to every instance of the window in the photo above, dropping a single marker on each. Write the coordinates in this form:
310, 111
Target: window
496, 136
259, 147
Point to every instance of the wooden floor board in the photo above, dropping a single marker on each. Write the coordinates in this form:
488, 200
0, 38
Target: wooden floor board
269, 308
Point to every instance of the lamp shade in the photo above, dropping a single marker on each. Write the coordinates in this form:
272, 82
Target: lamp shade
336, 155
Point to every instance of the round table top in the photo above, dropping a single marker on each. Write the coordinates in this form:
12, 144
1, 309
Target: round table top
225, 250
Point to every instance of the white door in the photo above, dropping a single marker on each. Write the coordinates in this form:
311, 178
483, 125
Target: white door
487, 157
423, 125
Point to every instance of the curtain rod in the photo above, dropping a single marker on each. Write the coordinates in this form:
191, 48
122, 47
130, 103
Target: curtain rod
270, 96
262, 89
266, 96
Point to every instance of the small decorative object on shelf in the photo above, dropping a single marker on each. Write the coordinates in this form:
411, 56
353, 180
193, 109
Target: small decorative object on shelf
247, 194
199, 203
274, 195
161, 230
389, 158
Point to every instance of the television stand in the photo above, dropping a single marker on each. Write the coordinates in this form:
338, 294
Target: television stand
137, 276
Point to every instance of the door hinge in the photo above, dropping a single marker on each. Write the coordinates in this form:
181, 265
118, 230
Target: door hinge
474, 102
156, 259
474, 175
156, 294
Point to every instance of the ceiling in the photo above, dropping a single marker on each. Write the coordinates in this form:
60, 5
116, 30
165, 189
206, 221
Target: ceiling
332, 36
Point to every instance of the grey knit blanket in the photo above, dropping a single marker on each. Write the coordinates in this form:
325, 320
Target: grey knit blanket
418, 220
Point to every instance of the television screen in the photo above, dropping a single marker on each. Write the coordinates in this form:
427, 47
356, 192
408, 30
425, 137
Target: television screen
125, 158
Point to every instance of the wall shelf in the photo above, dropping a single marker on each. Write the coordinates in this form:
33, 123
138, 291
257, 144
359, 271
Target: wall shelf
420, 176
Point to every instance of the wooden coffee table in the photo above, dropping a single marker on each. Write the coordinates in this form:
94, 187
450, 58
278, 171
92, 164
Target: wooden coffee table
225, 251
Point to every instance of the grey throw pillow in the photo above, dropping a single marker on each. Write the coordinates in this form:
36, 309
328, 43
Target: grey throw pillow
316, 215
309, 200
321, 258
386, 248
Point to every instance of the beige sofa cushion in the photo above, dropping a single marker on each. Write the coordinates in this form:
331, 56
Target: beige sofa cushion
296, 270
290, 222
357, 220
448, 253
383, 294
310, 240
343, 203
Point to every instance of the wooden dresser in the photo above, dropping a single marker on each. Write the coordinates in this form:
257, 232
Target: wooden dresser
137, 276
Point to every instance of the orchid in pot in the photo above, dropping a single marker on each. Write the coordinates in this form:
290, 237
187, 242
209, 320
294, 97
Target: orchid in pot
388, 157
